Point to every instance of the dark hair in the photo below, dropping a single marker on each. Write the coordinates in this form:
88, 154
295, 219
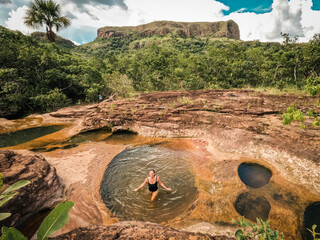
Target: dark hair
153, 170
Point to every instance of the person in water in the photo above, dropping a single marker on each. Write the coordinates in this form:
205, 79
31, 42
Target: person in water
153, 181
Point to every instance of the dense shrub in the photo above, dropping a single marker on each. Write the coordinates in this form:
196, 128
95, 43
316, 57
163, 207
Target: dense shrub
35, 76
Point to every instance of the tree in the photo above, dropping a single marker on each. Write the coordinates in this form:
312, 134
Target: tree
47, 13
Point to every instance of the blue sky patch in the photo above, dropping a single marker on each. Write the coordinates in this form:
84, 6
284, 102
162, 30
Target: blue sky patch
247, 6
316, 5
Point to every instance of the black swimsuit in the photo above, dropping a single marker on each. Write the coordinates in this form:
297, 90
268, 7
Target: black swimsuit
153, 187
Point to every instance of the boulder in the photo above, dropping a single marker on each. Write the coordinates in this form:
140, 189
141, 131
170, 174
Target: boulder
135, 230
44, 191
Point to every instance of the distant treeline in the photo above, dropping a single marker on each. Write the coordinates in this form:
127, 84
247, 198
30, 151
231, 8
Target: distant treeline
38, 77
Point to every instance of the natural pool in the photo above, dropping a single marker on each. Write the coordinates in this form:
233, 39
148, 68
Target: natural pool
254, 175
26, 135
312, 217
89, 136
129, 169
252, 207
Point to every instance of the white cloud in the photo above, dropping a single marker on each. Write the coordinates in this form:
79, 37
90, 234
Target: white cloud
295, 17
144, 11
16, 21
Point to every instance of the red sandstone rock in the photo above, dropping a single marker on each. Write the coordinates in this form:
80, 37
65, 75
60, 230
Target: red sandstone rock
135, 230
44, 191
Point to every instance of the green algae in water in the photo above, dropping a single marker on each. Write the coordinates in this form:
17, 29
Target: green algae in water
26, 135
129, 169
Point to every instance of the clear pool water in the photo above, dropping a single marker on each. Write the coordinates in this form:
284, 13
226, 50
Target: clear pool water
129, 169
26, 135
254, 175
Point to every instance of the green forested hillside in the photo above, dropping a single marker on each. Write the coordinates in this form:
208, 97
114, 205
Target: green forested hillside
39, 77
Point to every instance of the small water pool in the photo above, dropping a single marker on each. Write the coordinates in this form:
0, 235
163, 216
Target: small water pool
129, 169
89, 136
254, 175
26, 135
311, 217
252, 207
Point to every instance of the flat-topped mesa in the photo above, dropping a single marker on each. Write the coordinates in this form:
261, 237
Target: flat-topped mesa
228, 29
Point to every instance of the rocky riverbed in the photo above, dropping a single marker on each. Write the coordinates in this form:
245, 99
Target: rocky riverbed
220, 129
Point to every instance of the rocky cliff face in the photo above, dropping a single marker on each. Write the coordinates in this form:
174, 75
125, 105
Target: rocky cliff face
135, 230
44, 191
228, 29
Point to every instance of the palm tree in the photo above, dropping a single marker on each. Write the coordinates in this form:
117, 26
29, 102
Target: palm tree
47, 13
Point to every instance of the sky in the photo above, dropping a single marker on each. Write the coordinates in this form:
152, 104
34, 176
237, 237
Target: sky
262, 20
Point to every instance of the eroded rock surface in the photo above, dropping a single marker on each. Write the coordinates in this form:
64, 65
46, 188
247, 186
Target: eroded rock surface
228, 29
243, 122
44, 191
226, 127
237, 114
135, 230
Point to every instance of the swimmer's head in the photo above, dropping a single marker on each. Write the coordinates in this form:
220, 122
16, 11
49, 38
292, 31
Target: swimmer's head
152, 173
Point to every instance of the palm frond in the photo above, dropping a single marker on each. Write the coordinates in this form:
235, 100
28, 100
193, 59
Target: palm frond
45, 12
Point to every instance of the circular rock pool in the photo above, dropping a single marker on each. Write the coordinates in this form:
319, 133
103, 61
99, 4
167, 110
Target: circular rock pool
252, 207
312, 217
254, 175
130, 168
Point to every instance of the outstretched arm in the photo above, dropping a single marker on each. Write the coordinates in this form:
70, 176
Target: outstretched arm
164, 186
142, 185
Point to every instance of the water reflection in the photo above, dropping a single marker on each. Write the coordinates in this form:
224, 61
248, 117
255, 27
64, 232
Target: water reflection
254, 175
26, 135
128, 170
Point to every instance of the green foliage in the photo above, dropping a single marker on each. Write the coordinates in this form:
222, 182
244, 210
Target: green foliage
40, 77
315, 235
57, 218
259, 231
117, 83
37, 77
313, 85
293, 114
176, 63
53, 100
11, 234
312, 113
316, 122
9, 193
46, 13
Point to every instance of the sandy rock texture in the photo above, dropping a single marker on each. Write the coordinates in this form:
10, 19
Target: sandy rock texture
220, 130
238, 121
135, 230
